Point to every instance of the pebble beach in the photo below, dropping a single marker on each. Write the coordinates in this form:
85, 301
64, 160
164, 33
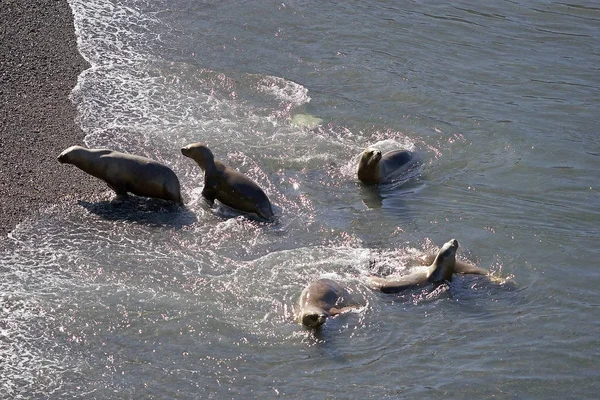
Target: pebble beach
38, 69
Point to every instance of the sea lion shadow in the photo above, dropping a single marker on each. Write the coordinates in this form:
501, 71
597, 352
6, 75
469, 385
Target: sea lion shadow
327, 341
397, 185
148, 211
373, 197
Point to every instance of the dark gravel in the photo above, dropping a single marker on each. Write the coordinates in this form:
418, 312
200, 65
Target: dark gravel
39, 65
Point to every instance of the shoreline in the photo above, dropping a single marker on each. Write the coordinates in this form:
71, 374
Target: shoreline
39, 67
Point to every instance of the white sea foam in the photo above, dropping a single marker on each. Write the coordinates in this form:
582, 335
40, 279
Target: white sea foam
135, 99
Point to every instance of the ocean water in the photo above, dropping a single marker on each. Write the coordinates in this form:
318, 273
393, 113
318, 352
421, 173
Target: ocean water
140, 299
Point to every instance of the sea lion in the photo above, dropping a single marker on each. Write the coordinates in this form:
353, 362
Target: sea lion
460, 267
373, 168
441, 270
126, 173
320, 300
228, 185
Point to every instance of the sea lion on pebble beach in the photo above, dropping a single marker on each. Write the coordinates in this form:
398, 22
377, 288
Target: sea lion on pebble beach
374, 168
441, 270
126, 173
320, 300
227, 185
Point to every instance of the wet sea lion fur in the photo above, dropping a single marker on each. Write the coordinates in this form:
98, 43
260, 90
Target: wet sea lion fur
227, 185
375, 167
442, 268
126, 173
320, 300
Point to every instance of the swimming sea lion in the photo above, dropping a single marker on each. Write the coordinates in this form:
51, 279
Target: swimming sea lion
373, 168
460, 267
228, 185
441, 270
126, 173
320, 300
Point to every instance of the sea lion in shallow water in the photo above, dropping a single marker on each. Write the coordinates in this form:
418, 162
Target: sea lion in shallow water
374, 168
228, 185
441, 270
126, 173
320, 300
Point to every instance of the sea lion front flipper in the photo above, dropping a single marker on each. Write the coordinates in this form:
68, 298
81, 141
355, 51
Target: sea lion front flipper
266, 212
462, 267
119, 189
397, 284
335, 311
210, 194
121, 192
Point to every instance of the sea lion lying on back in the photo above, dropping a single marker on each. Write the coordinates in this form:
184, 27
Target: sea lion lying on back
441, 270
374, 168
320, 300
228, 185
126, 173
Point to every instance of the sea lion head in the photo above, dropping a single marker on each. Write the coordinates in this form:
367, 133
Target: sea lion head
313, 318
367, 166
371, 156
67, 156
443, 266
199, 153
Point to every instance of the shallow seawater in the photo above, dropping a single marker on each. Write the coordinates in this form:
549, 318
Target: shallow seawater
142, 299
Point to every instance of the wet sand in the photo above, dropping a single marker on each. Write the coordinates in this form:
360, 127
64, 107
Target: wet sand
39, 65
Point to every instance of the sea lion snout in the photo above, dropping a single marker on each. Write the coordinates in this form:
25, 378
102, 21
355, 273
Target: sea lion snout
198, 152
313, 319
449, 248
186, 150
64, 156
376, 152
374, 155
